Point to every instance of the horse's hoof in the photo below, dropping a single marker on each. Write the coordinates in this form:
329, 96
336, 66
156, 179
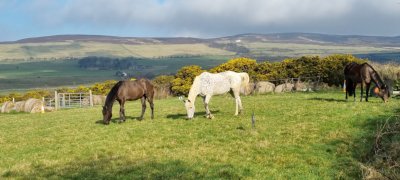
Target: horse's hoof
140, 119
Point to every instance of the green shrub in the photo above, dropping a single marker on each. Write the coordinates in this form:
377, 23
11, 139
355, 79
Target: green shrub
38, 94
184, 79
241, 64
103, 88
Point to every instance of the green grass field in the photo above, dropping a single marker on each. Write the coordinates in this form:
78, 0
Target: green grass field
18, 76
297, 136
78, 49
297, 50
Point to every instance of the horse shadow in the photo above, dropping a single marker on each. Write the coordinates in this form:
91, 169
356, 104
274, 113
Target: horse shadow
184, 116
327, 99
118, 121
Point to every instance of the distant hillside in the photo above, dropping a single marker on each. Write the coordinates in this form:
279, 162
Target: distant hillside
311, 38
301, 38
259, 46
107, 39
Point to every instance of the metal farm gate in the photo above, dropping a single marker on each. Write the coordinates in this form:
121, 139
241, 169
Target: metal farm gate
71, 100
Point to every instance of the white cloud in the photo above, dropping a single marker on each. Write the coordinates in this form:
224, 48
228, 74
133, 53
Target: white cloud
223, 17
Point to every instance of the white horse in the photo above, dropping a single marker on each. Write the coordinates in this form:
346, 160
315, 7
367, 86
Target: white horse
208, 84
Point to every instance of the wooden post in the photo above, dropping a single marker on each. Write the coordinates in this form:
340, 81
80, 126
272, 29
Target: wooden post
13, 100
56, 100
90, 98
42, 108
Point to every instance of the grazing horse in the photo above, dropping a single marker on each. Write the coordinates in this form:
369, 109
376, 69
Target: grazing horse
364, 73
128, 91
208, 84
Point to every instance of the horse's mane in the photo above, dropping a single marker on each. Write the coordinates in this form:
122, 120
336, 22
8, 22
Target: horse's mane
112, 94
375, 77
194, 89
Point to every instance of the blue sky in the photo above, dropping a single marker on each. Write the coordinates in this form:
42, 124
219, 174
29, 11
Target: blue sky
196, 18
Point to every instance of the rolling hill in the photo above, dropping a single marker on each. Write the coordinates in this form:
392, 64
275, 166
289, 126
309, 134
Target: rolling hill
260, 46
301, 38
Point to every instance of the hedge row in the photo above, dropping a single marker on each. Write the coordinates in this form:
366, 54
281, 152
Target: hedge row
329, 68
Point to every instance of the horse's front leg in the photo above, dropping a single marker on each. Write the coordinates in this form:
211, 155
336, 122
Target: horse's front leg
361, 92
122, 110
367, 91
206, 100
143, 99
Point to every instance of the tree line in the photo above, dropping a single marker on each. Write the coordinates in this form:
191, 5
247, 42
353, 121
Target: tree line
106, 63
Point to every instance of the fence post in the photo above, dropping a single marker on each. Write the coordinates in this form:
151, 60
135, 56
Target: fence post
63, 100
42, 108
13, 100
90, 98
56, 103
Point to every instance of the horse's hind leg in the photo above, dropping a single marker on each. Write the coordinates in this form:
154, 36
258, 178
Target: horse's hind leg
367, 85
150, 100
354, 91
347, 84
143, 107
240, 105
238, 102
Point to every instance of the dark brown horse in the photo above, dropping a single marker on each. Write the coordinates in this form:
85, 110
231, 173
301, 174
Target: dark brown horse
365, 74
128, 91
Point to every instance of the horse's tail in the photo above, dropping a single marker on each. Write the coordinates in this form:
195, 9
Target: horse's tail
245, 79
349, 87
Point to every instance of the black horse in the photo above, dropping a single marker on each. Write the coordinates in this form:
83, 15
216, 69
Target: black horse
128, 91
364, 73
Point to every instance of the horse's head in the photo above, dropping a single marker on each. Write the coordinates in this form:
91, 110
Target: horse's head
189, 107
383, 92
106, 115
